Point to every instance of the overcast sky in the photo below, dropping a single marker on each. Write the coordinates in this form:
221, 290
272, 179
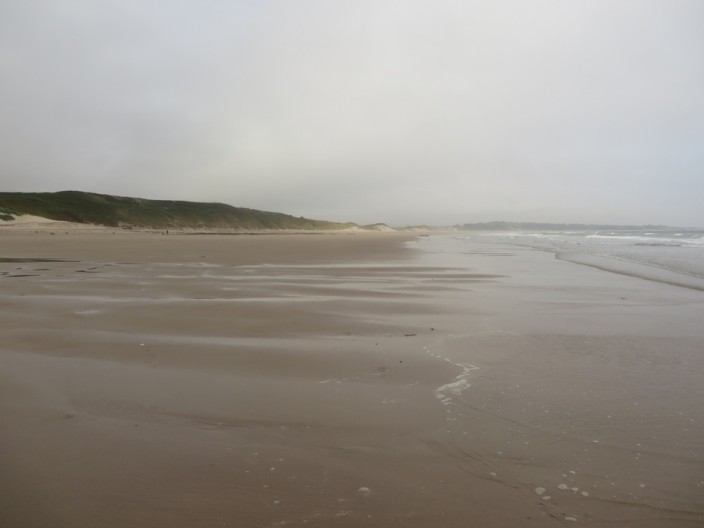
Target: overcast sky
403, 112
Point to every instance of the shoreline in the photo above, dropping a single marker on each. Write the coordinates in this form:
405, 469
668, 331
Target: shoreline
631, 268
383, 379
633, 264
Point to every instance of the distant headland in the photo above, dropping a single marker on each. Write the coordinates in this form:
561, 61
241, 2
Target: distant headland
539, 226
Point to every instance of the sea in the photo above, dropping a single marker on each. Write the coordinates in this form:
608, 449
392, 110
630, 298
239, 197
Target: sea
674, 256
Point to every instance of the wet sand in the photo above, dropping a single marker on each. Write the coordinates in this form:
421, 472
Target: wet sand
377, 380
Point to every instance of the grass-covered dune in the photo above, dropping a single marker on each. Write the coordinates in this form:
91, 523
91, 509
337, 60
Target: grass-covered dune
119, 211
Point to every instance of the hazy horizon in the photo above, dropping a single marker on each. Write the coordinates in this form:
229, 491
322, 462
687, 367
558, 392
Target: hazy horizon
402, 112
524, 222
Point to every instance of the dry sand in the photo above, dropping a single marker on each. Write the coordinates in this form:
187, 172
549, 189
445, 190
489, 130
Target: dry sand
373, 380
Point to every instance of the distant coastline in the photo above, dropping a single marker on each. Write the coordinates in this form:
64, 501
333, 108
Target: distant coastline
542, 226
92, 210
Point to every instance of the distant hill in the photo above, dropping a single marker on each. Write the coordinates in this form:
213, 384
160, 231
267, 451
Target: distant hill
533, 226
119, 211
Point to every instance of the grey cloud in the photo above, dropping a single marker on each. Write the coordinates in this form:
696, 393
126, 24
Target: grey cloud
404, 112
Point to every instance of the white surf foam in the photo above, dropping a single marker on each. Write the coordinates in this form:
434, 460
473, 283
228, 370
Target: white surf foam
447, 392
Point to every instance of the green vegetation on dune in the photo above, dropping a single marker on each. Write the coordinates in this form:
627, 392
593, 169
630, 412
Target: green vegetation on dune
118, 211
6, 214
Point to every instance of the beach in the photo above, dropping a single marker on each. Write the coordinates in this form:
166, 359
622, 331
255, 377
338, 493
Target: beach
341, 379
